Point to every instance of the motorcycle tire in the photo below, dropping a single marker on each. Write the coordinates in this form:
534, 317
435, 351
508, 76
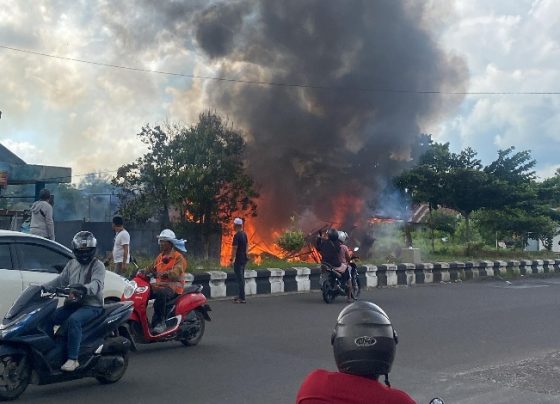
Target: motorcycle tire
328, 293
15, 373
195, 338
115, 376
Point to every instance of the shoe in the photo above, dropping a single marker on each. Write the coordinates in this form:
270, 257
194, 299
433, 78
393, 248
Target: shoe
349, 300
238, 300
70, 365
158, 329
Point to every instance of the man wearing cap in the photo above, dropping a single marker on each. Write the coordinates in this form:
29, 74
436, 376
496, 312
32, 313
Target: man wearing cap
239, 257
169, 267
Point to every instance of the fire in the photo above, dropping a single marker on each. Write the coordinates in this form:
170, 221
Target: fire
347, 208
382, 220
259, 246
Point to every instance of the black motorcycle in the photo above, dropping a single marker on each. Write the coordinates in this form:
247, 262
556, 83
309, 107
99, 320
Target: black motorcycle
29, 355
331, 285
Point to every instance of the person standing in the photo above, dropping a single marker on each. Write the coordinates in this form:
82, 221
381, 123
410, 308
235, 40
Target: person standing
121, 246
42, 223
239, 257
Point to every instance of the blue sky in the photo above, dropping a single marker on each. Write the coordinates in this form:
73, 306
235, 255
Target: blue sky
71, 114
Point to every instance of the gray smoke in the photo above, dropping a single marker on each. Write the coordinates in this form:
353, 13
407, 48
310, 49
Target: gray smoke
310, 145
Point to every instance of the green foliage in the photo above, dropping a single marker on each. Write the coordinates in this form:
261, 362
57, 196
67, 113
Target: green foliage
291, 241
444, 222
198, 170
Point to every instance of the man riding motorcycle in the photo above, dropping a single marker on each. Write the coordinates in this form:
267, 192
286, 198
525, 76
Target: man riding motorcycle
333, 253
169, 267
85, 276
364, 344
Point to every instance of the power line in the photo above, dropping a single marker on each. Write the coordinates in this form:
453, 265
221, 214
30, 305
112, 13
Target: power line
280, 84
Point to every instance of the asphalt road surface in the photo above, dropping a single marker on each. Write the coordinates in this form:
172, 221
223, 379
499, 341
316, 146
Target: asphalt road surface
472, 342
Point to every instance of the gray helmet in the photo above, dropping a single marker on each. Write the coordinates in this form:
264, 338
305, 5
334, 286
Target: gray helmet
364, 341
84, 245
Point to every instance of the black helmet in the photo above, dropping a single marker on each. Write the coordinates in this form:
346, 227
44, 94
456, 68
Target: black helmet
332, 234
364, 341
84, 245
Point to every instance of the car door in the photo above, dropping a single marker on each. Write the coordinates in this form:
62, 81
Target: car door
11, 284
39, 263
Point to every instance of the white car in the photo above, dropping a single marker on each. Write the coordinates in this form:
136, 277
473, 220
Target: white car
26, 259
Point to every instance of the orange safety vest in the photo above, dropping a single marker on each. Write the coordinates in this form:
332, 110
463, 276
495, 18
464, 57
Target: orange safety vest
175, 263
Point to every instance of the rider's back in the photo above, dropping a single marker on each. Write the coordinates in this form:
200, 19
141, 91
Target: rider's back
322, 386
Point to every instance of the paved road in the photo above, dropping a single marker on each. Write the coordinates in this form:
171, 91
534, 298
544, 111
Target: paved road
475, 342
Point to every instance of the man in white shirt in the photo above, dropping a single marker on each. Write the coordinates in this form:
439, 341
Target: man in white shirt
121, 247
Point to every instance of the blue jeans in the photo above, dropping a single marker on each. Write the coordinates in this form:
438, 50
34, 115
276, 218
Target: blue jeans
239, 270
75, 318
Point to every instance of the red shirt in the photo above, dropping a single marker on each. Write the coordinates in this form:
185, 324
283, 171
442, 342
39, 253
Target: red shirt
321, 387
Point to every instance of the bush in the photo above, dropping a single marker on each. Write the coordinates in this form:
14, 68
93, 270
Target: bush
291, 241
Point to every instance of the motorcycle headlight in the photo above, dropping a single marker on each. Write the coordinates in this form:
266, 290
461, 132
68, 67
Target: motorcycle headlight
129, 289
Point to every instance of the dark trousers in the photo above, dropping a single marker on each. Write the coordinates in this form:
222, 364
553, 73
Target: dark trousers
162, 296
239, 270
75, 320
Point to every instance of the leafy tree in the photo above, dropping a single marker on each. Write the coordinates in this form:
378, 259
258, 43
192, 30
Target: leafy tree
209, 183
426, 183
145, 185
197, 170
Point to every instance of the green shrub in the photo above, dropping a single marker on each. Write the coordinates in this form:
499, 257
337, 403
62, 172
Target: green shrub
291, 241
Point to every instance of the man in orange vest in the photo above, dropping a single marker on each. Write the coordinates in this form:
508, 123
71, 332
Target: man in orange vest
169, 268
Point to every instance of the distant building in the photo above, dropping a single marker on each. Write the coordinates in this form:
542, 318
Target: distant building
15, 171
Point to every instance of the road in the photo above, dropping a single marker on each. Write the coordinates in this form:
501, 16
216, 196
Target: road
472, 342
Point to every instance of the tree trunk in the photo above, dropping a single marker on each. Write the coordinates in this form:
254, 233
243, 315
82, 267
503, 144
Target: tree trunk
432, 229
468, 226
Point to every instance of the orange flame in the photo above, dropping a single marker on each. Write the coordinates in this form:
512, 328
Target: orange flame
259, 246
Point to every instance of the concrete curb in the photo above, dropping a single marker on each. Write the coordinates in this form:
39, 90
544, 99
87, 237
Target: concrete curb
220, 284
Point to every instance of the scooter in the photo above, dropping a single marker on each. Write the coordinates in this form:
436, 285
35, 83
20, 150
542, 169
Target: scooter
331, 286
28, 354
186, 315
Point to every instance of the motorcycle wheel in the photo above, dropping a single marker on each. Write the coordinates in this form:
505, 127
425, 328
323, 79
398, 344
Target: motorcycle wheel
15, 373
328, 293
199, 324
116, 375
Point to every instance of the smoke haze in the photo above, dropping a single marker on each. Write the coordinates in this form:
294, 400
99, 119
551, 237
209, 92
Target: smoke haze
309, 146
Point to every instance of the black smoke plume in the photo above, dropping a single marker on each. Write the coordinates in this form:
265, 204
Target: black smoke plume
358, 123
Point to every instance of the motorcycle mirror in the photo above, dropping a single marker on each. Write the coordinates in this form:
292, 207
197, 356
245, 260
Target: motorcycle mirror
356, 249
437, 400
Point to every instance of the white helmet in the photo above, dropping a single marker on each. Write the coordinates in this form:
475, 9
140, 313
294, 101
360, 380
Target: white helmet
166, 235
342, 236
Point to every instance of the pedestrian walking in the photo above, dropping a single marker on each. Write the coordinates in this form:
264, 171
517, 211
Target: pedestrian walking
42, 223
121, 246
239, 257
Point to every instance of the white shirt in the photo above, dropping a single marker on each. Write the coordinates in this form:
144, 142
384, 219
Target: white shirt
121, 239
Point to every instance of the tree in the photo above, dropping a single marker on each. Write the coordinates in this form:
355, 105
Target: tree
144, 186
426, 183
209, 182
198, 170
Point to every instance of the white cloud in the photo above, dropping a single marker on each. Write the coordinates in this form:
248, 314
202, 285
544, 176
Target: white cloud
24, 150
509, 46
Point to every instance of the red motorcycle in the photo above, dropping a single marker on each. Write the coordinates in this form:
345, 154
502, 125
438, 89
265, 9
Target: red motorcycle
186, 314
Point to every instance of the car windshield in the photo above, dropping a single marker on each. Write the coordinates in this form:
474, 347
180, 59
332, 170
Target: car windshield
30, 295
